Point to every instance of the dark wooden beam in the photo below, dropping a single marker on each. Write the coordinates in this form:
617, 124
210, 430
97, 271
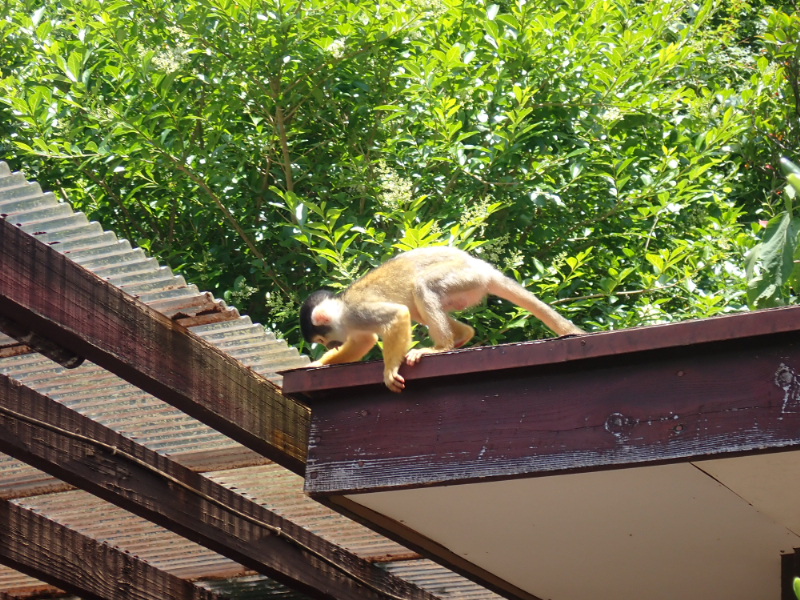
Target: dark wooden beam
36, 343
729, 397
56, 299
50, 552
200, 462
79, 451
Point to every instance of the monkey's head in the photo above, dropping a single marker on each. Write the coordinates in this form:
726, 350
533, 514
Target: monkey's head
319, 319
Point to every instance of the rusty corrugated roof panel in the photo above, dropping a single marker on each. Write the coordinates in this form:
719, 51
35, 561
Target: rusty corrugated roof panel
90, 389
102, 521
20, 478
269, 485
282, 492
53, 222
17, 585
106, 398
113, 402
439, 581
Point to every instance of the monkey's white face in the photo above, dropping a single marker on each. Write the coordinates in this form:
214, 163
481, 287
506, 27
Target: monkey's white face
328, 314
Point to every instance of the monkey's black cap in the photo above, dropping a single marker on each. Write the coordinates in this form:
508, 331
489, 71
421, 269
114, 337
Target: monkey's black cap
308, 328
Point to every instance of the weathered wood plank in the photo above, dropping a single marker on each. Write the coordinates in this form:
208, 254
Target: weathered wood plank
39, 344
79, 451
319, 382
680, 404
199, 462
83, 314
46, 550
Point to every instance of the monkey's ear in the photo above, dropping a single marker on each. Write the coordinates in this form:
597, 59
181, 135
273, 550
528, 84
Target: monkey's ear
320, 316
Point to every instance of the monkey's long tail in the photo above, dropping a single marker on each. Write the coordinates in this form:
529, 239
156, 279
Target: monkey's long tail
510, 290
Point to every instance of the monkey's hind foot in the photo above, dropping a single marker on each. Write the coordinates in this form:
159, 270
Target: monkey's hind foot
413, 356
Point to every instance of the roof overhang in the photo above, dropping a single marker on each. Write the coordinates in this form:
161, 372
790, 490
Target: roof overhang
506, 463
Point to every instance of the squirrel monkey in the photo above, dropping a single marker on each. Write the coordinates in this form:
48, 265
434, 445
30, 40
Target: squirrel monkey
422, 285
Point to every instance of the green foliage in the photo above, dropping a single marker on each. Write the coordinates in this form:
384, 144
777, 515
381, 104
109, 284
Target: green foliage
609, 156
773, 266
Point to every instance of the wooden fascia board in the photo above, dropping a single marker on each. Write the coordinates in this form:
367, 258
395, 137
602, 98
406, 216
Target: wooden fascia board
79, 451
682, 403
320, 382
60, 301
55, 554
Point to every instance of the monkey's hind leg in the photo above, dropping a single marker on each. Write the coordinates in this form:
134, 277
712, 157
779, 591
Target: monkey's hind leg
462, 333
440, 326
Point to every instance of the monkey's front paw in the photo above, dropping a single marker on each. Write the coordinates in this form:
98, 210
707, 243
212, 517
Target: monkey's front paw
393, 380
316, 363
413, 356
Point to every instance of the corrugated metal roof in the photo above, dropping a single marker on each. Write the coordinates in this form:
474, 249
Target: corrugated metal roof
124, 408
282, 492
438, 580
105, 522
102, 521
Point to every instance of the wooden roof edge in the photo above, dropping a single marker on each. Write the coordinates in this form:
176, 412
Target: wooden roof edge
56, 299
726, 396
307, 383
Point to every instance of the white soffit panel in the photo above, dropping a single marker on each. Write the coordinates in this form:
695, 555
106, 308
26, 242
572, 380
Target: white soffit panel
660, 532
770, 482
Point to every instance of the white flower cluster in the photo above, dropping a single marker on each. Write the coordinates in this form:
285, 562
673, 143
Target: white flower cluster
477, 213
395, 190
611, 114
493, 249
558, 261
434, 7
169, 60
515, 260
336, 48
173, 57
241, 293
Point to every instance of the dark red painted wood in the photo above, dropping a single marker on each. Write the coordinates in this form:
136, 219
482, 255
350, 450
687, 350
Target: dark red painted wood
50, 552
309, 383
52, 297
736, 396
313, 566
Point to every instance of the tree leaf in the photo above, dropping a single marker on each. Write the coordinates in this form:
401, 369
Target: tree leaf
774, 261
